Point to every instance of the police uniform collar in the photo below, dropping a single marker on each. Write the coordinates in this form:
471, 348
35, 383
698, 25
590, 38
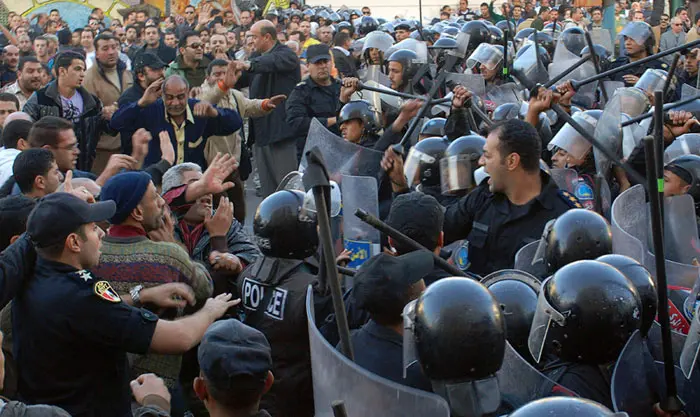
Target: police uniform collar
44, 264
382, 332
313, 84
549, 187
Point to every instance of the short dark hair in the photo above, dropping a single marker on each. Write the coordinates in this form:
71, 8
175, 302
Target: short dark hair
302, 37
268, 30
679, 10
95, 10
185, 36
54, 10
484, 4
78, 30
104, 37
14, 213
46, 130
10, 98
340, 38
41, 38
242, 392
29, 164
65, 59
517, 136
216, 63
596, 8
441, 14
55, 250
152, 26
131, 27
543, 9
189, 6
14, 131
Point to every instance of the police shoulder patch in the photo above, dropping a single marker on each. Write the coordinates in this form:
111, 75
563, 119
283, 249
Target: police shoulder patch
570, 199
106, 292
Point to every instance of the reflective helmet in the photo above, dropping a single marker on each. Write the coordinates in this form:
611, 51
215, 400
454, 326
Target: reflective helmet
362, 110
516, 292
423, 161
586, 312
643, 281
574, 39
459, 163
522, 36
367, 24
575, 235
387, 28
335, 17
687, 167
544, 55
434, 127
408, 60
641, 33
563, 407
284, 228
496, 35
448, 44
506, 25
478, 32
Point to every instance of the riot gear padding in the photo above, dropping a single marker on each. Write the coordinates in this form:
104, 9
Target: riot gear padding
516, 292
454, 316
283, 228
690, 165
564, 407
574, 39
367, 24
408, 60
423, 161
575, 235
434, 127
641, 33
459, 163
586, 312
362, 110
643, 281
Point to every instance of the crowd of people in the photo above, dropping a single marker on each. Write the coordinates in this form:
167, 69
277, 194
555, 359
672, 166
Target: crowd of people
130, 285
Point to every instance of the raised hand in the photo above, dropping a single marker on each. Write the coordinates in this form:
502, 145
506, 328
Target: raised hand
152, 93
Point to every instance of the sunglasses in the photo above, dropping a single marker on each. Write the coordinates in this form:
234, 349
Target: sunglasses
196, 46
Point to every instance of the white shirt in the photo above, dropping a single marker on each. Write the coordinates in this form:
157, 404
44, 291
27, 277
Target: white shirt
7, 159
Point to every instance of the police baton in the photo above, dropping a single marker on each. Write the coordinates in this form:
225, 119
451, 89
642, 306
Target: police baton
579, 83
595, 60
667, 106
316, 178
395, 93
407, 241
339, 409
659, 148
670, 403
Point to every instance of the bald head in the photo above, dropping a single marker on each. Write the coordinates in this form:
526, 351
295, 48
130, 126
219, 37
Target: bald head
18, 115
264, 35
175, 93
11, 56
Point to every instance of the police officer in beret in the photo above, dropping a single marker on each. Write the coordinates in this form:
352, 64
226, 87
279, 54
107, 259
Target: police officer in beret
82, 321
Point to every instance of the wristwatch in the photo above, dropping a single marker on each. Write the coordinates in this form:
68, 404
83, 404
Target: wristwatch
135, 294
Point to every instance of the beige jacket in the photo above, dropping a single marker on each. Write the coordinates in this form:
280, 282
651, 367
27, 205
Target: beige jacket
234, 100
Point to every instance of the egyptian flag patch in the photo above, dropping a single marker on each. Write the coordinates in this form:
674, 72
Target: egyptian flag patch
105, 291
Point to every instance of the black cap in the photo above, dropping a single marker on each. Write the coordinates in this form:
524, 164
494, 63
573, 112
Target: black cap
147, 59
418, 215
381, 283
230, 349
59, 214
316, 53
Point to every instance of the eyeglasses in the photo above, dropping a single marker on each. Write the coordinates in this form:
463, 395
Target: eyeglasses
366, 13
196, 46
678, 24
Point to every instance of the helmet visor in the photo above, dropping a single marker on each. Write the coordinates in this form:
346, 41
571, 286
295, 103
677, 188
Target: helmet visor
652, 80
486, 55
310, 203
456, 173
410, 353
545, 315
633, 101
411, 167
379, 40
570, 140
637, 31
691, 349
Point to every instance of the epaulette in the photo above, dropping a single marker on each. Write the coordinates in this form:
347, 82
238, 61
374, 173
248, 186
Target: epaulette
301, 83
570, 199
664, 65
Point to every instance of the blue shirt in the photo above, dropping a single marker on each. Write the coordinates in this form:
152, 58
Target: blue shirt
71, 335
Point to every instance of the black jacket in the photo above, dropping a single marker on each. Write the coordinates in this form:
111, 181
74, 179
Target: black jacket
272, 73
164, 52
91, 124
345, 64
496, 229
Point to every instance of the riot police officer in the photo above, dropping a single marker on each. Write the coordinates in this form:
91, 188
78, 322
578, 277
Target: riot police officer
639, 43
273, 293
586, 312
433, 127
402, 66
682, 176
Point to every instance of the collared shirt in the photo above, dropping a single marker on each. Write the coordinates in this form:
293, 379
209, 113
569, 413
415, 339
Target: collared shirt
14, 89
180, 133
343, 50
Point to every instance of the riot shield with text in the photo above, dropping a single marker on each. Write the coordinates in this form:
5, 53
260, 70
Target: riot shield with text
336, 378
525, 261
359, 237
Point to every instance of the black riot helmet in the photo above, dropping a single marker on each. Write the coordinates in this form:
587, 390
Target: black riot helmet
447, 43
458, 332
586, 312
459, 163
362, 110
423, 161
478, 32
687, 167
434, 127
506, 111
408, 60
284, 228
545, 40
522, 35
563, 407
367, 24
574, 39
643, 281
496, 34
516, 293
575, 235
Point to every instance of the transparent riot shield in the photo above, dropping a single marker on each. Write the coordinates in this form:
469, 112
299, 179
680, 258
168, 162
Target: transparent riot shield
690, 366
655, 346
610, 88
565, 178
564, 59
359, 237
636, 384
378, 40
472, 82
336, 378
630, 230
608, 133
524, 261
374, 77
520, 383
341, 157
688, 92
680, 230
688, 144
502, 94
528, 67
603, 38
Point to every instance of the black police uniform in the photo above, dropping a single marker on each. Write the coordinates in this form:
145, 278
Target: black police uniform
587, 381
273, 294
637, 70
309, 100
496, 229
71, 334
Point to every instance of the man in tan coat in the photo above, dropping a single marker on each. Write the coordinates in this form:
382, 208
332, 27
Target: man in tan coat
218, 90
107, 80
